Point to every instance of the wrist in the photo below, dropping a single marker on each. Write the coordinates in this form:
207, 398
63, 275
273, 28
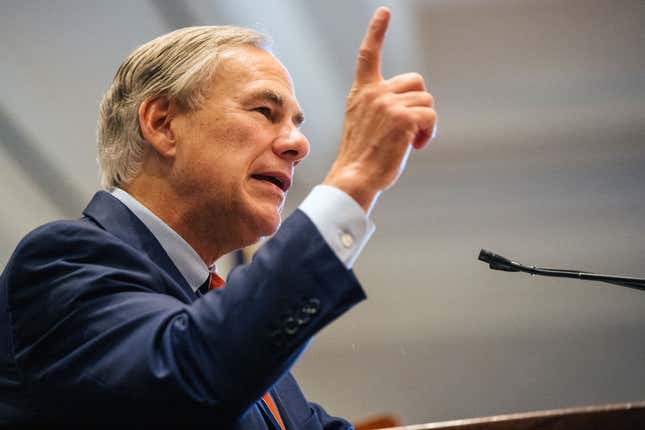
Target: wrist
351, 183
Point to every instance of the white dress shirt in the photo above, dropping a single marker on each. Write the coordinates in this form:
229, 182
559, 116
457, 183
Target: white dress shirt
340, 220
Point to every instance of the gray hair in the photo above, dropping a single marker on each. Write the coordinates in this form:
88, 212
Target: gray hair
177, 65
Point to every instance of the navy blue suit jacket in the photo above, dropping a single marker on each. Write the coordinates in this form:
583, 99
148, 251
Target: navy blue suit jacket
97, 326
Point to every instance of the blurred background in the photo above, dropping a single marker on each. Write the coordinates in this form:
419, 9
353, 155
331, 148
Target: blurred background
540, 156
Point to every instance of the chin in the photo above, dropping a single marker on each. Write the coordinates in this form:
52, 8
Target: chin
271, 225
262, 225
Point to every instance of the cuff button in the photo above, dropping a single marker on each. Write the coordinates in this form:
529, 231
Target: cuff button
347, 240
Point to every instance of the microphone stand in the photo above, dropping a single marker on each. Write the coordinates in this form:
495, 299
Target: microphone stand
498, 262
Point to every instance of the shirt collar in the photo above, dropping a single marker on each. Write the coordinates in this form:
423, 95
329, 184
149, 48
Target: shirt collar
184, 257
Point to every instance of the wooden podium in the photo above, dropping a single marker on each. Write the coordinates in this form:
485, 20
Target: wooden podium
624, 416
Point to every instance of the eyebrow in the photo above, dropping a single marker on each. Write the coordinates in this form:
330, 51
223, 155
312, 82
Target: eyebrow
275, 98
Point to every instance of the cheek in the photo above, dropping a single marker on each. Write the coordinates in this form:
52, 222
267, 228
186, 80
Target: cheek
223, 151
238, 136
239, 146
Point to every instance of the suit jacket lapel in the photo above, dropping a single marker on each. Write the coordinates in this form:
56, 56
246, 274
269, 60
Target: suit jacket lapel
113, 216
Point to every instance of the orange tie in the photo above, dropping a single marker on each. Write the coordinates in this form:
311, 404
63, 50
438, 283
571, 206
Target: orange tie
268, 400
217, 282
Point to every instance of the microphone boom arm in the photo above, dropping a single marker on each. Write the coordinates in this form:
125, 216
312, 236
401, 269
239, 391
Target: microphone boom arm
498, 262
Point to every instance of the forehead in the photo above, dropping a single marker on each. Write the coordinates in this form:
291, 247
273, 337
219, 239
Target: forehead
248, 69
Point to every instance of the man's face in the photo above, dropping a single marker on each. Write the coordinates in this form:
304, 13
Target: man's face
236, 155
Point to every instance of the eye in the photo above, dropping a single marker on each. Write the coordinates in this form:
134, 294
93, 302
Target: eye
266, 111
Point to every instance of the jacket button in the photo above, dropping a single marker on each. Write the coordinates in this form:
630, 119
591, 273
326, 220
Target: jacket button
290, 326
303, 318
311, 307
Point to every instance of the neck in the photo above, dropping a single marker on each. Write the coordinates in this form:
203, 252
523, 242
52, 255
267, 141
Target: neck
178, 213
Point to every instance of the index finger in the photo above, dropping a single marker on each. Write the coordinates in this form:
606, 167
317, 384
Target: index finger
368, 67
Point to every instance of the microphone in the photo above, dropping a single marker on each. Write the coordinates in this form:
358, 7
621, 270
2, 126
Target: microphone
498, 262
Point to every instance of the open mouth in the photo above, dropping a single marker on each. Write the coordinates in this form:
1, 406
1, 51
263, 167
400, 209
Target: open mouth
273, 179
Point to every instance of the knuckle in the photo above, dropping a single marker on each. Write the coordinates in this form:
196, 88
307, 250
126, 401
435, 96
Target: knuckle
399, 117
354, 94
417, 79
372, 92
381, 104
430, 100
430, 118
365, 55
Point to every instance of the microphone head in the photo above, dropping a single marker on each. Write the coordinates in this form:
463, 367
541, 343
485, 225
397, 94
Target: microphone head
497, 262
485, 255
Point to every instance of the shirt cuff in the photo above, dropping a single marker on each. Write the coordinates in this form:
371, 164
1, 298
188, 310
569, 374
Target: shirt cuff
340, 220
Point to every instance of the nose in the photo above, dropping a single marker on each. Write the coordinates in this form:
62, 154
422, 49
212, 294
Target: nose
291, 145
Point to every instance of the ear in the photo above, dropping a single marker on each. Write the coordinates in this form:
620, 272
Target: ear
155, 115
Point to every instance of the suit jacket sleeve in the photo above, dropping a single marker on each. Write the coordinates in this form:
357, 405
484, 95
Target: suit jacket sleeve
94, 326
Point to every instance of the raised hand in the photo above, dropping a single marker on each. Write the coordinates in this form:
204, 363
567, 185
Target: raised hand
384, 119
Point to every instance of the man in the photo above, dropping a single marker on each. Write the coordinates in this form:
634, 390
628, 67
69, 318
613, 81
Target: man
109, 320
